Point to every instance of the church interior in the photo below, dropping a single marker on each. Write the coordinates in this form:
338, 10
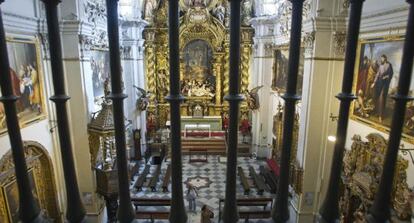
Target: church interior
189, 111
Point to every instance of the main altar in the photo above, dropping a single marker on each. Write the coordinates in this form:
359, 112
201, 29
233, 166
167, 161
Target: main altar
204, 57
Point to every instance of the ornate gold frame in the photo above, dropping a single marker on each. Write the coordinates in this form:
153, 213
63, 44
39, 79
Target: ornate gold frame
39, 162
39, 64
370, 123
361, 175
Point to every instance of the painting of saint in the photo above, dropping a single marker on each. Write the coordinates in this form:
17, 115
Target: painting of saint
280, 70
100, 72
376, 80
198, 79
26, 79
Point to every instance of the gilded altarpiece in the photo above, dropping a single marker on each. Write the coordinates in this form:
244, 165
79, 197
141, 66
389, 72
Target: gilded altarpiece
296, 171
204, 58
41, 178
361, 176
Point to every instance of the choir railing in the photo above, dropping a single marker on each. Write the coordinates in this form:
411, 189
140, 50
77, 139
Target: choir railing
380, 209
177, 213
75, 212
329, 211
125, 213
230, 213
280, 212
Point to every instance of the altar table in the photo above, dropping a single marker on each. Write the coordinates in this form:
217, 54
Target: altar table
199, 127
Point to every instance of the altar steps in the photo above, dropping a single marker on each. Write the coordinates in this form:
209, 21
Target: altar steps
214, 145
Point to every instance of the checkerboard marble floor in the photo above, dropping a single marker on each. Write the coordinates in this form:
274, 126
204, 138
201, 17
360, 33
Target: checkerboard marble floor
215, 171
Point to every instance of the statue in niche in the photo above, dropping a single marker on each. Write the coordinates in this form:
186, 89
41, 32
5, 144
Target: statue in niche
150, 5
219, 12
162, 85
246, 12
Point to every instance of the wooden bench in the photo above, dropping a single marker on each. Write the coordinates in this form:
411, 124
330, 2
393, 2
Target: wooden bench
142, 177
151, 202
270, 178
195, 151
247, 215
134, 170
167, 179
252, 202
258, 181
154, 179
243, 180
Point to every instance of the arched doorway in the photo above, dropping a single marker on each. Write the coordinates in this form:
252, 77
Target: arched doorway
40, 172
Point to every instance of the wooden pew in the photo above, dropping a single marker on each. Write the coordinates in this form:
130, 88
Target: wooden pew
270, 178
151, 202
252, 202
258, 181
167, 178
154, 179
142, 177
243, 180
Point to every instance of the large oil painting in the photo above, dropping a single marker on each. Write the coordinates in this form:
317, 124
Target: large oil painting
27, 81
100, 72
196, 76
377, 74
280, 69
11, 195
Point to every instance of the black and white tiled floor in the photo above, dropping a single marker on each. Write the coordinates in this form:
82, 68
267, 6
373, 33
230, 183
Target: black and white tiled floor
215, 171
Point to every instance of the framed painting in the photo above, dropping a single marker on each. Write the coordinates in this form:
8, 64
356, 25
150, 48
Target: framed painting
11, 195
27, 81
100, 72
280, 69
376, 79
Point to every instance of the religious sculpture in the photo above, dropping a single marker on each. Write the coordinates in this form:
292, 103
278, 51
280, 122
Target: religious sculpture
219, 12
246, 12
142, 99
252, 98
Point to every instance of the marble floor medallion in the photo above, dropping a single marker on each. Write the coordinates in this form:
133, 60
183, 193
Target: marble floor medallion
198, 182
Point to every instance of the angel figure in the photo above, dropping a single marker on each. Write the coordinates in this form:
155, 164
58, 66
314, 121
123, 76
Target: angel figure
252, 98
142, 99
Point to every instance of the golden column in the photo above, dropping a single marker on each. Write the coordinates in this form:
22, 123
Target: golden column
226, 69
245, 67
217, 72
150, 71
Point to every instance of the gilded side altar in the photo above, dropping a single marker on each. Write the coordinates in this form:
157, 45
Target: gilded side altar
204, 56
